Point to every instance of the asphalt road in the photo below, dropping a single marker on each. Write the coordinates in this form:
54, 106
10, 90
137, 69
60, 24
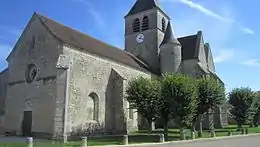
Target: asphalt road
247, 141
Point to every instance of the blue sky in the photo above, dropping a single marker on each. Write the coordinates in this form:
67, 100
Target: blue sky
230, 26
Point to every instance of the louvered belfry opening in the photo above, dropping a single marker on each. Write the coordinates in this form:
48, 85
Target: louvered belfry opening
163, 25
145, 23
136, 25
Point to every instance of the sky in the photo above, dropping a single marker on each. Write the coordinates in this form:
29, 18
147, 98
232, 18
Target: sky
230, 26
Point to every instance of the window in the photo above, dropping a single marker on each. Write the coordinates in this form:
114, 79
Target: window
145, 23
163, 25
93, 106
33, 42
30, 73
136, 25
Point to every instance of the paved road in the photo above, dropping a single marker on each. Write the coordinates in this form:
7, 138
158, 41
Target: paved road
247, 141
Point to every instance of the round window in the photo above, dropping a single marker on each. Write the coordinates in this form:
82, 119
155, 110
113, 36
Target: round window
31, 73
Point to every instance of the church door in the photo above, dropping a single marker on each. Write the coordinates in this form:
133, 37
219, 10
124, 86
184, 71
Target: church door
27, 124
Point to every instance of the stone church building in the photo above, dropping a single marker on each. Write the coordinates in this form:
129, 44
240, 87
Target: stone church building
60, 80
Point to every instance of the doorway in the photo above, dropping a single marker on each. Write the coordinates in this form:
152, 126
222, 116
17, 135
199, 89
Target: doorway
27, 124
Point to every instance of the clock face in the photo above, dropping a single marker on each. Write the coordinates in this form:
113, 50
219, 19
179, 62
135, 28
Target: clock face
140, 38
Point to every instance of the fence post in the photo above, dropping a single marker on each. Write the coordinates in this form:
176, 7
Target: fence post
125, 140
84, 142
242, 131
212, 134
192, 135
30, 141
162, 140
65, 139
229, 133
246, 131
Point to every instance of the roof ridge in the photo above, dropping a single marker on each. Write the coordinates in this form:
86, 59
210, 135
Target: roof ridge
187, 36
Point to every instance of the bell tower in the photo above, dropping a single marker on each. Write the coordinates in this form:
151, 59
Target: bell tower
145, 26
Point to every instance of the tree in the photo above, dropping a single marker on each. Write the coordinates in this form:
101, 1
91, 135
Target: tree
256, 110
180, 92
241, 100
211, 94
144, 95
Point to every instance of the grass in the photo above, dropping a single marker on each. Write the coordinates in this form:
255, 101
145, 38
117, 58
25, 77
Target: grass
134, 137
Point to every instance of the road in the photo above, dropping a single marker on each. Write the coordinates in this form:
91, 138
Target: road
247, 141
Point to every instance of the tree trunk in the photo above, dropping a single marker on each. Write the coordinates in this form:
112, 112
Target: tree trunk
193, 127
165, 126
182, 134
239, 125
200, 127
150, 127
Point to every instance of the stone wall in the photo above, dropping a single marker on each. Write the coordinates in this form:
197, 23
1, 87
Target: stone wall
92, 74
3, 90
35, 46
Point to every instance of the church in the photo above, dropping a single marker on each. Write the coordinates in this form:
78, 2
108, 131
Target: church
60, 81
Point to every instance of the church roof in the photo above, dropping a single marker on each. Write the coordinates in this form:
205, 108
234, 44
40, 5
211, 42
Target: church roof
189, 46
169, 37
91, 45
143, 5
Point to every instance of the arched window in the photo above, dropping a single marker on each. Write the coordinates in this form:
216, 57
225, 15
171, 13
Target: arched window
145, 23
163, 24
136, 25
93, 106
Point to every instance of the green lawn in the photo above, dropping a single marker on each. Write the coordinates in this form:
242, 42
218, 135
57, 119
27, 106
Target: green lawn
134, 137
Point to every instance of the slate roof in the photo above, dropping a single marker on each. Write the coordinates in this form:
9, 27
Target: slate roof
91, 45
169, 37
188, 44
143, 5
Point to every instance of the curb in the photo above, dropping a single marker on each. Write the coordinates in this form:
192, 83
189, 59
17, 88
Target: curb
185, 141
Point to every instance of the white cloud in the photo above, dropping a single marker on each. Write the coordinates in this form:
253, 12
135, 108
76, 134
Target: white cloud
95, 14
205, 10
224, 56
251, 62
247, 30
212, 14
11, 30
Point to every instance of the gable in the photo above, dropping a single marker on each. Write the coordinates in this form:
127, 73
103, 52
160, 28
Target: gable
20, 38
200, 51
35, 46
209, 58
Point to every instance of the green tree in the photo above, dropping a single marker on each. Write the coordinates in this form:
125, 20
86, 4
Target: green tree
144, 95
256, 110
211, 94
241, 100
180, 92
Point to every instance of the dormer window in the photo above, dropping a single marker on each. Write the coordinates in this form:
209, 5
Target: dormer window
163, 25
136, 25
145, 23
